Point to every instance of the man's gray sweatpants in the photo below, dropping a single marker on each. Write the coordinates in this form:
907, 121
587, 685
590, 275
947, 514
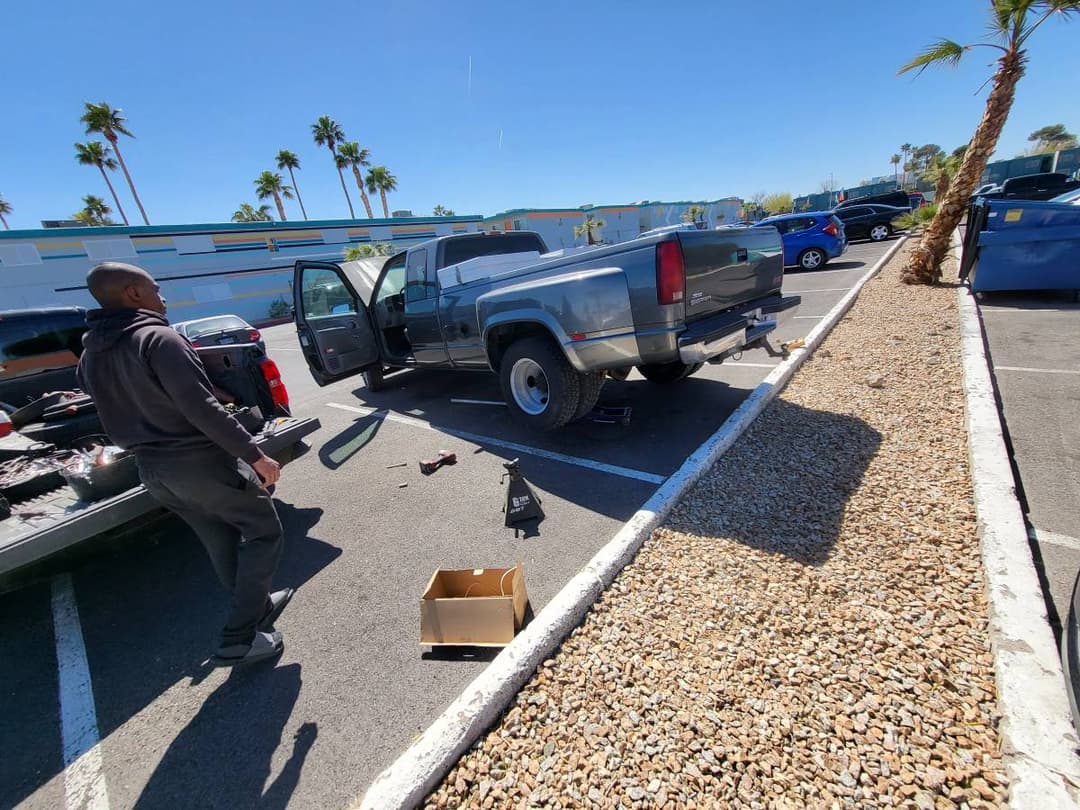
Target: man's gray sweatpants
224, 501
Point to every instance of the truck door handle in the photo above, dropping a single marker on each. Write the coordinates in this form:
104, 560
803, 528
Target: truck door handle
740, 254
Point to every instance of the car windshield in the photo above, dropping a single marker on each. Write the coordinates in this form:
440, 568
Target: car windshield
1070, 197
205, 327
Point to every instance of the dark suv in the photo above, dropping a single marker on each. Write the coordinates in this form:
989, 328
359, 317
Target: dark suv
39, 350
873, 222
1033, 187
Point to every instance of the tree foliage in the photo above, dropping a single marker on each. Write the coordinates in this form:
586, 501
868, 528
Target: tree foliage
249, 213
781, 203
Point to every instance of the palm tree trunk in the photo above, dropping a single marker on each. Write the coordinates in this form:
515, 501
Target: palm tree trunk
299, 199
280, 207
116, 148
363, 194
385, 209
6, 226
341, 177
924, 266
112, 191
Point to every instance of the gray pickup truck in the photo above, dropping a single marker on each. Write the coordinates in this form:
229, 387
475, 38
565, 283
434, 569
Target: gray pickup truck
552, 325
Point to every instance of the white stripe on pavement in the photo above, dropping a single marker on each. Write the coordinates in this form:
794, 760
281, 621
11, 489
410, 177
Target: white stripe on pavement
84, 779
830, 289
809, 317
1063, 540
752, 365
613, 469
1038, 370
1019, 309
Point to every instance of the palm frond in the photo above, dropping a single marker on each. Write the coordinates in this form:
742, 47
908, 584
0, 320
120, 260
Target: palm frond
942, 52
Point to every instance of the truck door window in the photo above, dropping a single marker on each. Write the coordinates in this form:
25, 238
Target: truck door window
417, 284
325, 294
393, 279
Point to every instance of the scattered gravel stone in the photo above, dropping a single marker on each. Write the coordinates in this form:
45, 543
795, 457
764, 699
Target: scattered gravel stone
808, 629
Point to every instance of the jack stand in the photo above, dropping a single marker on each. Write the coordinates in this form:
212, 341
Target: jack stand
521, 502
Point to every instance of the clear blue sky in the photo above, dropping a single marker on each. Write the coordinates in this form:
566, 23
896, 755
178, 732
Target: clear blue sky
597, 102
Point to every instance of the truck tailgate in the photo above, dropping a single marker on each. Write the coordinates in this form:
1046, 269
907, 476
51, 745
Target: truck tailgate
728, 267
56, 520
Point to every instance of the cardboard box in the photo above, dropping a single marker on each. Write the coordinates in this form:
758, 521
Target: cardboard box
479, 607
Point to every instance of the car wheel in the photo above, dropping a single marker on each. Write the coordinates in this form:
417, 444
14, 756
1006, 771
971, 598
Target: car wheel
668, 372
812, 259
374, 380
880, 232
591, 384
540, 387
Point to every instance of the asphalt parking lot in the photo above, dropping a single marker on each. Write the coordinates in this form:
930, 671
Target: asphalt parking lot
1033, 339
354, 686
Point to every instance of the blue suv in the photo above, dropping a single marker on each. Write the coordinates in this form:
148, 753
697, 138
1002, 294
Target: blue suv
810, 238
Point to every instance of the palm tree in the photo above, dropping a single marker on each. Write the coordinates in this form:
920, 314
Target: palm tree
5, 209
379, 179
269, 184
940, 171
352, 154
95, 153
328, 132
905, 150
111, 124
289, 160
249, 213
1012, 22
442, 211
895, 161
695, 215
590, 229
94, 212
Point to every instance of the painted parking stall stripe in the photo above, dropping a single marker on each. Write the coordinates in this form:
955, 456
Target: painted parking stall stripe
599, 466
84, 779
1037, 370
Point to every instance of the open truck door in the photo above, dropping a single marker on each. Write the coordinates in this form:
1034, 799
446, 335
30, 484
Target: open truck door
332, 322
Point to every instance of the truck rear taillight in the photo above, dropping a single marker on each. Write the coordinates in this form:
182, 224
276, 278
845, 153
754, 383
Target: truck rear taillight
273, 378
5, 425
253, 336
831, 229
670, 273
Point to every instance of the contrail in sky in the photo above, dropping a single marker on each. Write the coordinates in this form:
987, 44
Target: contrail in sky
469, 90
500, 140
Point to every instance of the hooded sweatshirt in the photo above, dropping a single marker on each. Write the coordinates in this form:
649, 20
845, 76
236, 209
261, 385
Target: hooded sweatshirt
151, 389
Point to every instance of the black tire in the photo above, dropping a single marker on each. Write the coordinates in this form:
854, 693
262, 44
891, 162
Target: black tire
557, 405
374, 380
812, 259
668, 372
877, 234
591, 383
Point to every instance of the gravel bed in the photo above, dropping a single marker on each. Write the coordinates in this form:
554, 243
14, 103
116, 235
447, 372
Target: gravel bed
808, 629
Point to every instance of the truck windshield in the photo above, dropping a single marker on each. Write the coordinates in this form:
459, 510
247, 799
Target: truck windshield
469, 247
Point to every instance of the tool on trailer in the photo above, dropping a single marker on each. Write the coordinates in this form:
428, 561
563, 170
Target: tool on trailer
610, 414
431, 465
521, 502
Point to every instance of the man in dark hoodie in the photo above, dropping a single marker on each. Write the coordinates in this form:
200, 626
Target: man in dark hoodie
155, 399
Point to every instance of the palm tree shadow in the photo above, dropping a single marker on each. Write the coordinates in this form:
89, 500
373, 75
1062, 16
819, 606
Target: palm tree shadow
223, 756
791, 505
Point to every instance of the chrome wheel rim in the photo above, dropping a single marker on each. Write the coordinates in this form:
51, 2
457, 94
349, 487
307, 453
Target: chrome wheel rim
529, 385
878, 232
811, 260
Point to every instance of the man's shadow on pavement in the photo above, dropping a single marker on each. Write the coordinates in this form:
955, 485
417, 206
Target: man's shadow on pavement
222, 758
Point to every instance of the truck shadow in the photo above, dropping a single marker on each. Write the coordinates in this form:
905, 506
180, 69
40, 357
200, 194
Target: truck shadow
792, 504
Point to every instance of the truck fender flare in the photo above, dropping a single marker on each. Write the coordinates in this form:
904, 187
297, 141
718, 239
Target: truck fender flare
527, 322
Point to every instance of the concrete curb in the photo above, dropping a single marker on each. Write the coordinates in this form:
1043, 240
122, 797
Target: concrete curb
1039, 743
419, 769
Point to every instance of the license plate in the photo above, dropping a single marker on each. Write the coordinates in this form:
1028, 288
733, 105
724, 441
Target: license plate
226, 340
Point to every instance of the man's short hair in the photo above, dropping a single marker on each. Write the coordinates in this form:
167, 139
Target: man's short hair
108, 280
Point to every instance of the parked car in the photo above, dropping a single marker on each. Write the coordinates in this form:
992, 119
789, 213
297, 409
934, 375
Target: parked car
810, 239
39, 349
553, 325
985, 188
220, 330
873, 222
897, 198
915, 200
1042, 186
1069, 197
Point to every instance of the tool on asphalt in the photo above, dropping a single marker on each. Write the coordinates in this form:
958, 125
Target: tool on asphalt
400, 464
431, 465
456, 401
521, 502
403, 484
785, 348
610, 414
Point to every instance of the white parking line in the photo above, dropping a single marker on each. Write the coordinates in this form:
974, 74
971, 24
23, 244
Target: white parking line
1038, 370
830, 289
753, 365
809, 317
84, 779
1054, 539
599, 466
1019, 310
